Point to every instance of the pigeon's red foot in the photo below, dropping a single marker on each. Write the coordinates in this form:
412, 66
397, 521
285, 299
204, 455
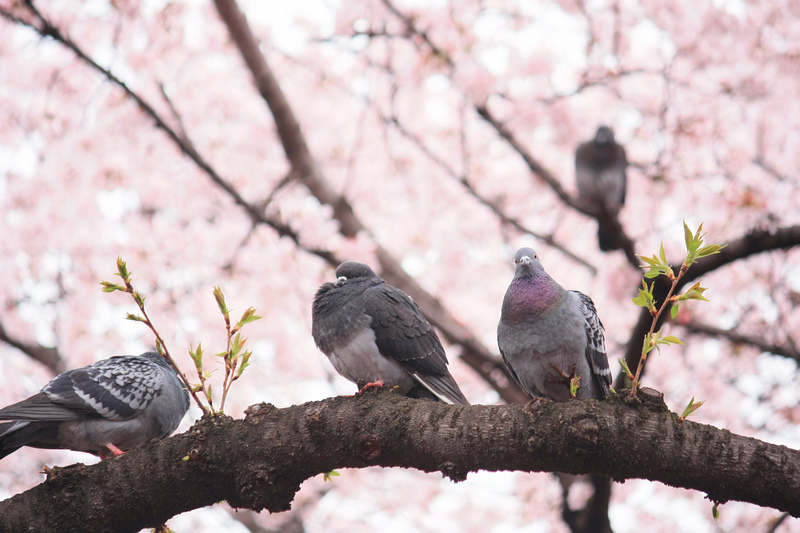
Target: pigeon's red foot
114, 451
372, 385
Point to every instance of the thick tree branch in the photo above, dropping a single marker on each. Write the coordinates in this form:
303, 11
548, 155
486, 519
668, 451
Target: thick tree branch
306, 168
259, 462
754, 242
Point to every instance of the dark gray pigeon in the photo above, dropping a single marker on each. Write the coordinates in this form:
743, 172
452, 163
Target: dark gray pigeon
600, 174
374, 332
105, 408
547, 335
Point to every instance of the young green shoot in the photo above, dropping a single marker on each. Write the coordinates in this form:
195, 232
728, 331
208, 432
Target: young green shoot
691, 408
235, 357
574, 385
127, 286
657, 265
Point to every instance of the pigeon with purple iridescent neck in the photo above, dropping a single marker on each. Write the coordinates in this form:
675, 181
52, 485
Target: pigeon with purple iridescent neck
549, 336
373, 333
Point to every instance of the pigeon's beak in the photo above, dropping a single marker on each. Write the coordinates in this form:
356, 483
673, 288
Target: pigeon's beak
525, 260
340, 281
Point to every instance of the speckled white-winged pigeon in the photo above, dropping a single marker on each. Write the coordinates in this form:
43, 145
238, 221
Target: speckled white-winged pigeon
548, 335
104, 409
372, 331
600, 175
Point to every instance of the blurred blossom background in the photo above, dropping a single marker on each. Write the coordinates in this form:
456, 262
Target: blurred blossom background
392, 98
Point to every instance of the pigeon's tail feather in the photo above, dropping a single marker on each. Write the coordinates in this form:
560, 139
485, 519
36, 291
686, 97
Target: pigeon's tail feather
15, 435
444, 387
605, 236
419, 391
603, 386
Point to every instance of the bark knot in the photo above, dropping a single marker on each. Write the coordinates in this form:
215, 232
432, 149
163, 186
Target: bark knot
584, 434
369, 447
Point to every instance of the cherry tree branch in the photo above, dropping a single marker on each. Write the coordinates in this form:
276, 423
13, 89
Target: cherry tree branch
45, 28
754, 242
252, 463
739, 338
49, 357
309, 173
492, 206
621, 238
305, 169
461, 178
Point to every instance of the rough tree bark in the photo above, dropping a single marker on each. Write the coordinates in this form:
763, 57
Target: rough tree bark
259, 462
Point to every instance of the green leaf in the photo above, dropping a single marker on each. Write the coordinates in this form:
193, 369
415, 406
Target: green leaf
669, 339
122, 270
138, 298
649, 344
135, 318
208, 393
693, 242
244, 363
652, 273
237, 342
220, 298
709, 250
197, 356
247, 317
674, 311
715, 511
691, 408
645, 297
111, 287
687, 235
574, 385
695, 292
657, 265
328, 475
652, 261
625, 368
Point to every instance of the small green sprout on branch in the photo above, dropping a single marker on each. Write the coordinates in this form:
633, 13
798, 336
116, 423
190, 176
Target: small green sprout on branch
235, 357
657, 265
691, 408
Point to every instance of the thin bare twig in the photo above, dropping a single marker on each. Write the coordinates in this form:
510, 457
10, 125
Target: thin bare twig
739, 338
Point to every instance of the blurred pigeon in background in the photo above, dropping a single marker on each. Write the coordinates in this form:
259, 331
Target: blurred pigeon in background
105, 408
373, 332
600, 174
549, 336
